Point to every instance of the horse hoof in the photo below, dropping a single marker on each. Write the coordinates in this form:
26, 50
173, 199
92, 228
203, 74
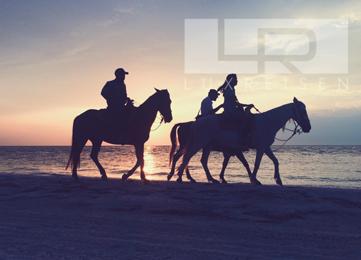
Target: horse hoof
124, 177
179, 180
279, 182
169, 177
75, 177
256, 182
214, 181
192, 180
223, 181
145, 181
104, 178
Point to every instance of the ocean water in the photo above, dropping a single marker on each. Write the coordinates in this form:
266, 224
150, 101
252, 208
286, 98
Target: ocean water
322, 166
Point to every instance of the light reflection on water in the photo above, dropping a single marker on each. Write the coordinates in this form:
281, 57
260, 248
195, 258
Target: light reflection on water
334, 166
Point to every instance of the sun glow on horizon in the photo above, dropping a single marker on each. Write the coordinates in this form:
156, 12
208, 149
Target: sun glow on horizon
53, 67
149, 165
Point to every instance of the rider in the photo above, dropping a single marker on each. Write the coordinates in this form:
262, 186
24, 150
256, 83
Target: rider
115, 92
235, 111
207, 104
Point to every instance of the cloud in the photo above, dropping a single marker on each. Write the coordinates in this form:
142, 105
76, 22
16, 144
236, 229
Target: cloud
77, 50
338, 128
117, 15
122, 10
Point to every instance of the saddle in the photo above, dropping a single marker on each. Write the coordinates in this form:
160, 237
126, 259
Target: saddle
234, 124
244, 129
116, 123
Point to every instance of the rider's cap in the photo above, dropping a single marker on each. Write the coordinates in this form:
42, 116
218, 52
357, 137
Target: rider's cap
213, 92
121, 71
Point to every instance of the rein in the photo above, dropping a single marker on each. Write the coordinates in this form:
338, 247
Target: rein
255, 108
160, 123
296, 130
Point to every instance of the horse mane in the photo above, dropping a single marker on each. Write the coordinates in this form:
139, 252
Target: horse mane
150, 98
276, 109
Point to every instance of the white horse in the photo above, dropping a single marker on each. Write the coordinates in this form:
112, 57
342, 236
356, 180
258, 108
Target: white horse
209, 132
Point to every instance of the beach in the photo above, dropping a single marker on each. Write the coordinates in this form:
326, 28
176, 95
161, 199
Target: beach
54, 217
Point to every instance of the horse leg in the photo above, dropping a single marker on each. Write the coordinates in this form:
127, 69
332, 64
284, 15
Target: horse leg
204, 162
74, 169
273, 158
243, 160
77, 148
130, 172
140, 156
189, 177
226, 157
94, 156
257, 163
186, 158
142, 174
176, 157
139, 152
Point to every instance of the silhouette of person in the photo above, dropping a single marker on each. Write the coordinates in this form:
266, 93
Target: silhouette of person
115, 92
207, 104
235, 111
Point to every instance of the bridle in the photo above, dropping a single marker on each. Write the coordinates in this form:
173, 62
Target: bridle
160, 123
296, 130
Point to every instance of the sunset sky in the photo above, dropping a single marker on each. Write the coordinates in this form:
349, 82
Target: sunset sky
55, 56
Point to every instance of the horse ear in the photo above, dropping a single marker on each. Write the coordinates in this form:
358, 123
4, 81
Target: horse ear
157, 90
295, 100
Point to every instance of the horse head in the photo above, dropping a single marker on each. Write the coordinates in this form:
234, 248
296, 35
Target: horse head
300, 115
164, 104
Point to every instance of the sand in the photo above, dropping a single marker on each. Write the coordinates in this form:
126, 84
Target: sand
53, 217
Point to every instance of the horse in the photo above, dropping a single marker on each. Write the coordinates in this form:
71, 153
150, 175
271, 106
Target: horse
90, 125
184, 133
264, 128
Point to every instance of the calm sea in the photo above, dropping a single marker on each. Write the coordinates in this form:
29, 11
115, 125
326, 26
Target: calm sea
330, 166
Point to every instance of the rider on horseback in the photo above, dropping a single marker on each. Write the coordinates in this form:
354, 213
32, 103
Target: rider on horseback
115, 92
234, 111
207, 104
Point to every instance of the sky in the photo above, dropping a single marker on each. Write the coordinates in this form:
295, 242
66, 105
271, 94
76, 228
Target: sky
55, 57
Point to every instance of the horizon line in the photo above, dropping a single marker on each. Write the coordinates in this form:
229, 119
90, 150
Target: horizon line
107, 145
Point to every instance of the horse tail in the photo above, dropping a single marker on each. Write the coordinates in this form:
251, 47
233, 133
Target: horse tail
77, 145
183, 130
173, 139
188, 141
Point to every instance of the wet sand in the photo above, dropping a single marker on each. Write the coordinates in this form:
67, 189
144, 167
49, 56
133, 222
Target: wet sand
53, 217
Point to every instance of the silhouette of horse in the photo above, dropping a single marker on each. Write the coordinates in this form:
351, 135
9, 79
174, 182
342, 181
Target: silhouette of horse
264, 128
90, 125
184, 134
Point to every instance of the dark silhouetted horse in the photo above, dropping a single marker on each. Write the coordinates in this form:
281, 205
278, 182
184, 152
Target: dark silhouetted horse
91, 125
184, 134
265, 126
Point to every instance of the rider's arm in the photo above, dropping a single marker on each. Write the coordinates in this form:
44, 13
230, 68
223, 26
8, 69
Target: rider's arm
206, 107
246, 105
105, 91
217, 108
